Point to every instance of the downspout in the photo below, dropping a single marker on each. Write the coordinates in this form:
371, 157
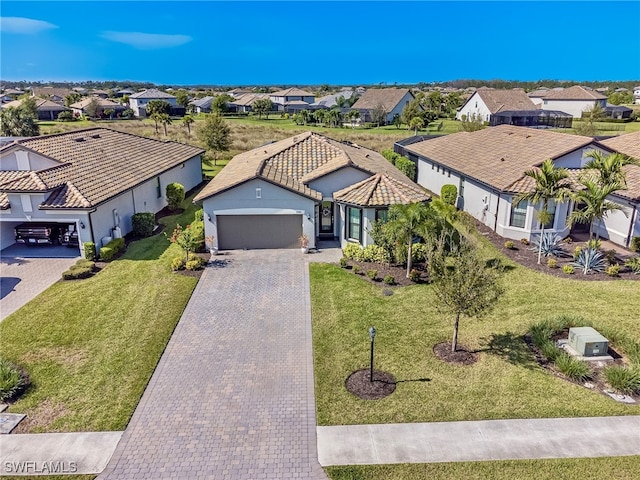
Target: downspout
93, 237
634, 214
495, 224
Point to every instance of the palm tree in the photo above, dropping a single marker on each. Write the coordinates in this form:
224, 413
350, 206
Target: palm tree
334, 117
155, 116
407, 221
165, 120
320, 116
596, 206
187, 120
551, 185
610, 166
416, 123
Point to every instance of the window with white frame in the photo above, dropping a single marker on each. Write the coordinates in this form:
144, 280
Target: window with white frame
518, 214
551, 208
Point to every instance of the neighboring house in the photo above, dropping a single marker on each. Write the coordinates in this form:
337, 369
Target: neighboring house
51, 93
79, 108
13, 93
202, 105
532, 119
238, 92
573, 100
393, 100
268, 197
93, 180
636, 95
329, 101
292, 99
46, 109
488, 166
244, 104
100, 93
486, 102
138, 101
123, 92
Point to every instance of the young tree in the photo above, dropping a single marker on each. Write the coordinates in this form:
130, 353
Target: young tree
182, 98
158, 106
187, 120
551, 185
473, 123
379, 115
411, 110
72, 98
416, 123
215, 135
155, 116
220, 103
29, 107
262, 106
187, 238
92, 109
461, 280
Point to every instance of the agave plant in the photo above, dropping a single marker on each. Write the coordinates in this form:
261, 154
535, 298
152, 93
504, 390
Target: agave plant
590, 260
548, 244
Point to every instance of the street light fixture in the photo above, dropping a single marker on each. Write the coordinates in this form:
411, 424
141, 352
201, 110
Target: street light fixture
372, 336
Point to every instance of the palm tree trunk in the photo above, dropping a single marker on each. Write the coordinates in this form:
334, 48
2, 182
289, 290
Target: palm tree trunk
454, 342
409, 258
540, 245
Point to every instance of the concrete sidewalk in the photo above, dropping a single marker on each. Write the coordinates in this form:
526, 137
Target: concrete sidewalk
479, 440
57, 453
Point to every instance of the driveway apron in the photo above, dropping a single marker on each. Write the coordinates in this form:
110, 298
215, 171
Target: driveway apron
232, 396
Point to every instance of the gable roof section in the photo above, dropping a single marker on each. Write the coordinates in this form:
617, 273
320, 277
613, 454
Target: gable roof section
498, 156
502, 100
388, 97
574, 93
381, 190
151, 93
41, 104
291, 92
33, 181
98, 163
295, 161
103, 102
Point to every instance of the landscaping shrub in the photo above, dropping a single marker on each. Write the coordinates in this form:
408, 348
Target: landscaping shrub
509, 244
357, 270
568, 269
343, 262
389, 280
66, 116
623, 379
573, 368
594, 244
90, 251
353, 251
613, 270
193, 265
633, 264
76, 273
406, 166
199, 216
577, 251
374, 254
549, 243
550, 350
83, 263
448, 194
143, 223
419, 252
634, 246
111, 249
590, 260
177, 263
175, 195
610, 256
107, 254
414, 275
552, 263
372, 274
524, 241
12, 380
390, 155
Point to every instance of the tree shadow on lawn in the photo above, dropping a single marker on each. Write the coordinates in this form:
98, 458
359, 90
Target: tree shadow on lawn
511, 347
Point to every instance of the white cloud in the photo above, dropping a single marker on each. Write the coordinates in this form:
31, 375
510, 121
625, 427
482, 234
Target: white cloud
26, 26
146, 41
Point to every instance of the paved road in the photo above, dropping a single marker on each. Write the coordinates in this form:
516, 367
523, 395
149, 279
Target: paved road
232, 396
25, 272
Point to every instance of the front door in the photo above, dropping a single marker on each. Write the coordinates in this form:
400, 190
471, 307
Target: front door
326, 219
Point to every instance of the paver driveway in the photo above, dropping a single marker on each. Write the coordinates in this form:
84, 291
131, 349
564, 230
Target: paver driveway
232, 396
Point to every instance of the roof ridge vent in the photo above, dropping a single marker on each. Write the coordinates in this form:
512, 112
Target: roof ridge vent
79, 139
97, 135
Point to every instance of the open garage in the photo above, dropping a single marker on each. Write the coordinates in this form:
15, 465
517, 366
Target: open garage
258, 231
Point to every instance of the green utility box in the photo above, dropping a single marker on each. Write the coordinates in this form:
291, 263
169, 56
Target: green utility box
588, 342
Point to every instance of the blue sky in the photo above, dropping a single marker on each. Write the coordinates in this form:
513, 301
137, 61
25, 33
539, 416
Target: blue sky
362, 42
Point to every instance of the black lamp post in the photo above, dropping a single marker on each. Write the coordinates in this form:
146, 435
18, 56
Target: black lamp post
372, 336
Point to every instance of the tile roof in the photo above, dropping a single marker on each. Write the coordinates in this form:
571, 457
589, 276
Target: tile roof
381, 190
103, 102
41, 104
33, 181
501, 100
295, 161
248, 98
4, 202
498, 156
96, 164
151, 93
50, 91
574, 93
204, 102
629, 144
291, 92
388, 97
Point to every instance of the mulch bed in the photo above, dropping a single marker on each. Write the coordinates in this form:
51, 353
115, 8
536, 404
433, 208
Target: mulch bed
523, 255
359, 383
461, 356
398, 272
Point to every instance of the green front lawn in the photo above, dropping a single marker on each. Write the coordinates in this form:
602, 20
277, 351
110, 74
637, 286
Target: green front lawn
504, 383
90, 346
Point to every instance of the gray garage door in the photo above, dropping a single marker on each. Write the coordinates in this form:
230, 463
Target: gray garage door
258, 231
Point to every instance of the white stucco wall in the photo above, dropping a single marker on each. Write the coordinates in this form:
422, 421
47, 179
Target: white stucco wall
338, 180
474, 106
572, 107
20, 159
397, 110
274, 200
